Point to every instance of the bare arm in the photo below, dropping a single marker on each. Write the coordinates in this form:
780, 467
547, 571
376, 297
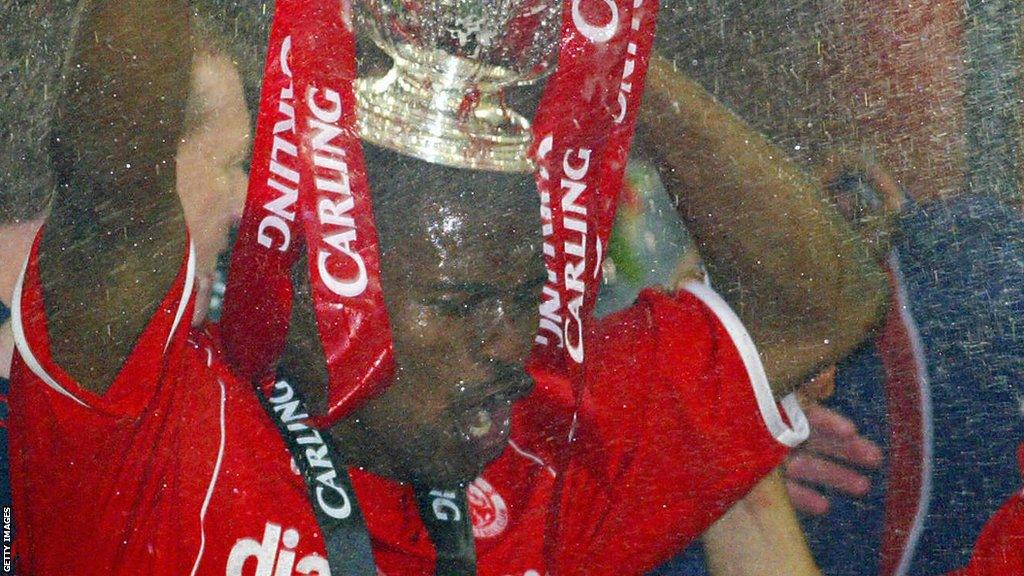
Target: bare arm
796, 273
759, 535
114, 240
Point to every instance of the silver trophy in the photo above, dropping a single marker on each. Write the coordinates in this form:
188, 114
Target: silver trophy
443, 99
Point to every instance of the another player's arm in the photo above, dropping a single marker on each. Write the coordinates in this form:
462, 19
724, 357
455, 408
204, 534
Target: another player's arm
796, 273
115, 237
759, 535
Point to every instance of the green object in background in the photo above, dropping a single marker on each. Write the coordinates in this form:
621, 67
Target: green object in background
628, 267
646, 243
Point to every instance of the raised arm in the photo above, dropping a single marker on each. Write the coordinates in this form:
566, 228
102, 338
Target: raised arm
115, 237
796, 273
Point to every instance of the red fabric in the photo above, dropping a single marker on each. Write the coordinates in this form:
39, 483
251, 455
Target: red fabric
258, 300
308, 185
670, 436
906, 454
1000, 548
336, 212
118, 487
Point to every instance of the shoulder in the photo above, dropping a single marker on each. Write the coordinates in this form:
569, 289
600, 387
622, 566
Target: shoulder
675, 333
159, 349
661, 351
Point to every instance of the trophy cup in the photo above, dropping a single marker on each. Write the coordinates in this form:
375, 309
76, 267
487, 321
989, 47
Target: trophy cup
443, 99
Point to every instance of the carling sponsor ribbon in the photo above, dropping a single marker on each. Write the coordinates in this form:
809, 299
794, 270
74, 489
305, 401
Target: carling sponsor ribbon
257, 305
308, 190
581, 139
582, 135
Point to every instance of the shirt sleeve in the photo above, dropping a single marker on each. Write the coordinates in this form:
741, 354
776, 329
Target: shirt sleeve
163, 339
672, 434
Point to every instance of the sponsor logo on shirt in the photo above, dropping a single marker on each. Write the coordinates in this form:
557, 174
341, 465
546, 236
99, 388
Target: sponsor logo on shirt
487, 508
274, 555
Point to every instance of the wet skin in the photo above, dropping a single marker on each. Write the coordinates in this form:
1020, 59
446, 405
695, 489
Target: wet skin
462, 272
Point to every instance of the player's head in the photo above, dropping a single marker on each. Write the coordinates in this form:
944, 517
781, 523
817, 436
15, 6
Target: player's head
462, 273
212, 157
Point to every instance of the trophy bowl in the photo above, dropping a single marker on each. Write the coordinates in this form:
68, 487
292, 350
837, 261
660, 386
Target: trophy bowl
443, 99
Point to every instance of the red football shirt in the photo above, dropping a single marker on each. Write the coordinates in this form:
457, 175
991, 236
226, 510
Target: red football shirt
175, 470
1000, 547
677, 425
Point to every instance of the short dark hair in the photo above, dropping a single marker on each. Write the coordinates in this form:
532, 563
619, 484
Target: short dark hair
411, 197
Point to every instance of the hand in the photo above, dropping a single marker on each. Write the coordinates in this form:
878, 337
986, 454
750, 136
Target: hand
831, 458
6, 349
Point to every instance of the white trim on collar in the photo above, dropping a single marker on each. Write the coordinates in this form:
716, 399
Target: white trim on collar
21, 342
789, 436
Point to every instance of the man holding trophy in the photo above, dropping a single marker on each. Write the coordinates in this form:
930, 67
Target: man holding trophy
406, 355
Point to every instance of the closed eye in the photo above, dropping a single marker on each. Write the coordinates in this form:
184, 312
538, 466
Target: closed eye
461, 300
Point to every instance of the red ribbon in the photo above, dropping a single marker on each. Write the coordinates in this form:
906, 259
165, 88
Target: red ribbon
582, 135
308, 187
257, 305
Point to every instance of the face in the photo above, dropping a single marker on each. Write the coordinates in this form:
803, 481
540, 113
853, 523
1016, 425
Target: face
211, 166
462, 301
